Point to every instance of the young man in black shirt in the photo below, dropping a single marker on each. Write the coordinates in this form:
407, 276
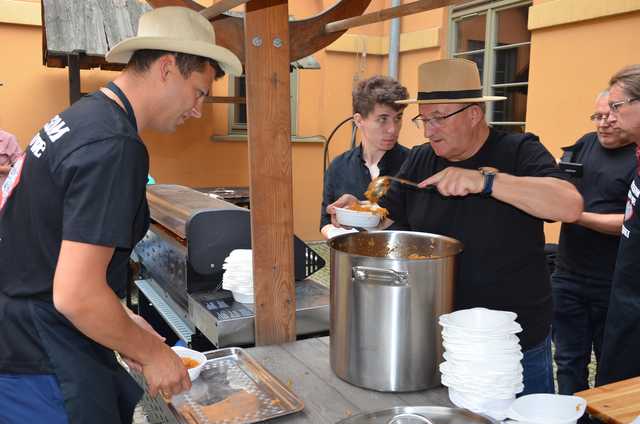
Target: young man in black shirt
379, 119
620, 358
604, 166
494, 190
70, 213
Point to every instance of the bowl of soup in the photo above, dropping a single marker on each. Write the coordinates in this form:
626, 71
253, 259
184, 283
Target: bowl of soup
361, 214
192, 360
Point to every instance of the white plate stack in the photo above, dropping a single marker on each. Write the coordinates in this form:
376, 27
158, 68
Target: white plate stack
482, 360
238, 275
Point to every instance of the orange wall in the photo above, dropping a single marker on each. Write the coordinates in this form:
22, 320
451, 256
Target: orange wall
570, 65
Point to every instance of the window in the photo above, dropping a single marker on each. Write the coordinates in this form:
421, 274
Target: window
494, 34
238, 111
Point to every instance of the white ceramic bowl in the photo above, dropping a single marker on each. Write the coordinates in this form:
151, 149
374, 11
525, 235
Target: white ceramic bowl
496, 408
543, 408
184, 352
351, 218
479, 320
243, 297
486, 371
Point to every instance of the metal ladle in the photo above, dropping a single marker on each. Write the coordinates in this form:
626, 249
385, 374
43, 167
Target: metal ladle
379, 186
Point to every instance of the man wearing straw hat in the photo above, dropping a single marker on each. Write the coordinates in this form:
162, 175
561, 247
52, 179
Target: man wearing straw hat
73, 208
494, 191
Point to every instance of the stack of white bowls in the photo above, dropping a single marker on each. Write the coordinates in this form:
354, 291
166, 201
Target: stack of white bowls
238, 275
482, 360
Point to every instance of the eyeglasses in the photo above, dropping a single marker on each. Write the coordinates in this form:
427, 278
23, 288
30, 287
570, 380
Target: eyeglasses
436, 121
615, 106
596, 118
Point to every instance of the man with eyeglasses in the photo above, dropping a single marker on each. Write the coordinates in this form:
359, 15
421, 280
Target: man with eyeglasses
620, 358
494, 190
379, 119
581, 283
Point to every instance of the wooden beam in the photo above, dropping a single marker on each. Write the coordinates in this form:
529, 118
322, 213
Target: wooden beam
221, 7
386, 14
266, 34
225, 99
73, 62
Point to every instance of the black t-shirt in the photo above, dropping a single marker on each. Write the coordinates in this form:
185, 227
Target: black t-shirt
348, 174
606, 175
83, 179
621, 342
503, 264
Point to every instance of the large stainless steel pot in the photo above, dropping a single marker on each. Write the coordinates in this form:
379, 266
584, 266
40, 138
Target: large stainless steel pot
385, 307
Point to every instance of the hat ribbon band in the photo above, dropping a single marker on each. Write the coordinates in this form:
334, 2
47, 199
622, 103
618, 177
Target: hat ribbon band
459, 94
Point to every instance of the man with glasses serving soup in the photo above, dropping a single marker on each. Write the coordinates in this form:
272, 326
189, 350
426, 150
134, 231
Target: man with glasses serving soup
494, 190
620, 358
603, 165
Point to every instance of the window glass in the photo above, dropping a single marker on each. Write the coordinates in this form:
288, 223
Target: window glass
470, 33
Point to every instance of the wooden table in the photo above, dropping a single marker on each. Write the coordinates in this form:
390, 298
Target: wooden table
615, 403
327, 399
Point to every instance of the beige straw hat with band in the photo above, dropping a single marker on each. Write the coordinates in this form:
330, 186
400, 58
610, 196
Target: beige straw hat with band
176, 29
449, 81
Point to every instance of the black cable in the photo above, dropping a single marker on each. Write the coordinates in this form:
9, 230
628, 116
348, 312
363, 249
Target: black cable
325, 163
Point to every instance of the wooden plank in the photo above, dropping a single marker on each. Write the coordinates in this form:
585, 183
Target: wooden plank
91, 26
316, 356
221, 7
269, 131
323, 404
390, 13
616, 403
225, 99
74, 78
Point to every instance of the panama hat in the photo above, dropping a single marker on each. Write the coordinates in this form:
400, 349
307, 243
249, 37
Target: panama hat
176, 29
449, 81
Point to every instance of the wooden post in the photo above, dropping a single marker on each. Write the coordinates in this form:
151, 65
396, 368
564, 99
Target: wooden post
266, 34
73, 63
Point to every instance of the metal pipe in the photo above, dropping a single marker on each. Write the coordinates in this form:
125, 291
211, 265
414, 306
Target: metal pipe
394, 43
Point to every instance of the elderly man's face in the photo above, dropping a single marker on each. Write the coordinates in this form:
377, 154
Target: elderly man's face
450, 138
627, 118
609, 133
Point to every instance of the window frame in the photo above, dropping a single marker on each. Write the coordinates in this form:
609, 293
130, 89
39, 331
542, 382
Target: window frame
489, 9
236, 128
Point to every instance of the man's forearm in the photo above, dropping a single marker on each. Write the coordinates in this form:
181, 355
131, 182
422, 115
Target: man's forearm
543, 197
603, 223
81, 293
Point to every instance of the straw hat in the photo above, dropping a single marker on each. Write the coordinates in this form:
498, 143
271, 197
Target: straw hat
449, 81
176, 29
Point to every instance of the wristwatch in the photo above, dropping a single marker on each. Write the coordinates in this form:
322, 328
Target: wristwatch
489, 174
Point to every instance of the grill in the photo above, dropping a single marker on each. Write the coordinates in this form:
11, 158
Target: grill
181, 258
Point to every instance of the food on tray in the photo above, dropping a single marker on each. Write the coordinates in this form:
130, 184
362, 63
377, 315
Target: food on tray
238, 404
369, 207
189, 362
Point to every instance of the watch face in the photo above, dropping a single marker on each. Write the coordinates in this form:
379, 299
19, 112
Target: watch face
488, 170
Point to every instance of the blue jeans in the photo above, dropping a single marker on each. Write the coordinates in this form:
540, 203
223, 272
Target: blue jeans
31, 398
580, 307
538, 369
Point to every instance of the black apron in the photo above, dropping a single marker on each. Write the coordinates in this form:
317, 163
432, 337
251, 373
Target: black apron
95, 388
620, 358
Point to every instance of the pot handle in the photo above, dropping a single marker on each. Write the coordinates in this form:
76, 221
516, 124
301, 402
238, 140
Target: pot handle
410, 415
362, 273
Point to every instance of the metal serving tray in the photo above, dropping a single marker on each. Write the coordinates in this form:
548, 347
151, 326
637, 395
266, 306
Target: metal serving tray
419, 415
232, 374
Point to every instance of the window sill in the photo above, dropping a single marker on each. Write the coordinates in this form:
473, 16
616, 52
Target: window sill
243, 137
